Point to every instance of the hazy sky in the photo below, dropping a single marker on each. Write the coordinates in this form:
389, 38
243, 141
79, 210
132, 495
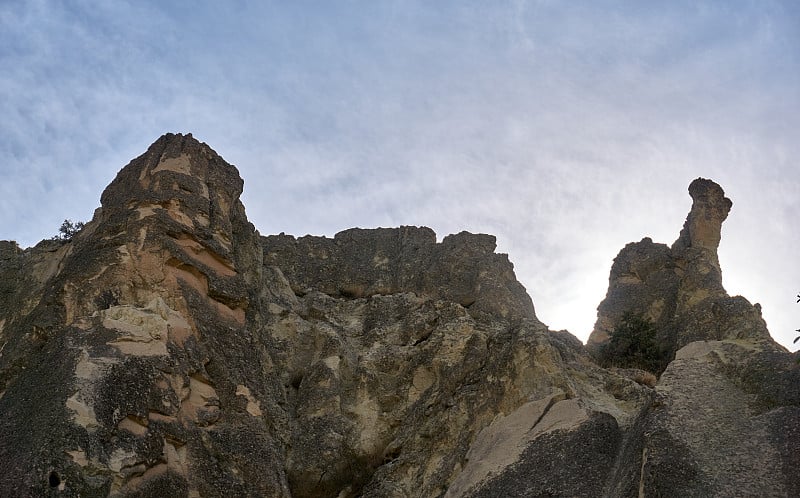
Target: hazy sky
567, 129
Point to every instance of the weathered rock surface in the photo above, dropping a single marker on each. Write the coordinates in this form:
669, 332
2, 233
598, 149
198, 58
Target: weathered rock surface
170, 350
733, 406
463, 268
126, 354
680, 288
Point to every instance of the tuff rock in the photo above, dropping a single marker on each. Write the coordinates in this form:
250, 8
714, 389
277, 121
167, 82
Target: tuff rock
680, 288
170, 350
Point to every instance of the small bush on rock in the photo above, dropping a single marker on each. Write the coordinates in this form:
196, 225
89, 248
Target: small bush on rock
68, 230
633, 345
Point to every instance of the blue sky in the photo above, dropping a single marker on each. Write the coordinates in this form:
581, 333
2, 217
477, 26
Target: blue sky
567, 129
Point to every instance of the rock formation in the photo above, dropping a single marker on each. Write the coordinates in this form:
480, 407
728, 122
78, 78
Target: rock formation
680, 288
170, 350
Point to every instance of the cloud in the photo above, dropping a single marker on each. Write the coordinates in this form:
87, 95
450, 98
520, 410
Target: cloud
567, 130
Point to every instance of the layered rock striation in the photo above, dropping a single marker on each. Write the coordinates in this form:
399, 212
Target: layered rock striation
170, 350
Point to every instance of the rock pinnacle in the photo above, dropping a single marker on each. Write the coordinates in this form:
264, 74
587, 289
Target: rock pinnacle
703, 225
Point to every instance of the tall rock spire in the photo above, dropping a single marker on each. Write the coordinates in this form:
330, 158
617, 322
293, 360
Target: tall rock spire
703, 226
679, 288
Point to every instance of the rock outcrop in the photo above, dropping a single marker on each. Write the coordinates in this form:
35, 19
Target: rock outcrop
463, 268
170, 350
118, 371
679, 288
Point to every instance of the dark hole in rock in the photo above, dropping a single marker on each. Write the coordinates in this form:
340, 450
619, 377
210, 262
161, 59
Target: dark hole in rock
391, 455
106, 300
296, 380
351, 293
53, 479
422, 339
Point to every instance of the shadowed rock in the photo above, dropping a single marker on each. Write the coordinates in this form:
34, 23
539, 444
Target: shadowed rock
357, 263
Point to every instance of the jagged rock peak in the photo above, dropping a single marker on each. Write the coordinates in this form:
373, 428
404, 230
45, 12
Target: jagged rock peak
176, 169
679, 288
703, 225
180, 185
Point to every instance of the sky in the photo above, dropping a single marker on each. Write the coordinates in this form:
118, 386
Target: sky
566, 129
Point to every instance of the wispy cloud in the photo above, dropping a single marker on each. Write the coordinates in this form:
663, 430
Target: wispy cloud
566, 129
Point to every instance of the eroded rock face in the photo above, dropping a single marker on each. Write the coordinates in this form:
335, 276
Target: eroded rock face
703, 227
463, 268
127, 367
731, 407
170, 350
679, 288
184, 363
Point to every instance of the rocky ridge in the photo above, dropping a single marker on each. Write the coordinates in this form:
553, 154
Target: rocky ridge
170, 350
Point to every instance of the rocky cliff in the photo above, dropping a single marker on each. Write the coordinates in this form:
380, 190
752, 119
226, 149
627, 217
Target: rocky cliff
170, 350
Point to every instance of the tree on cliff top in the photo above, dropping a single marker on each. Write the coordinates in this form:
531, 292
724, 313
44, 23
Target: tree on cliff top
633, 345
68, 230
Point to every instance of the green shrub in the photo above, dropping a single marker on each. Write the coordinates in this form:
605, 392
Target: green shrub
68, 230
633, 344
